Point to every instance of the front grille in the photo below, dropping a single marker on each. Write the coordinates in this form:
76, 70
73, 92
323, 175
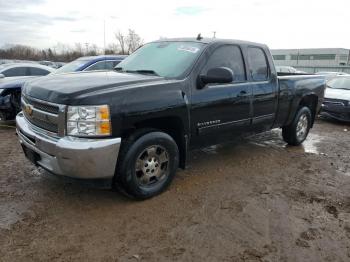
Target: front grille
41, 114
41, 105
42, 124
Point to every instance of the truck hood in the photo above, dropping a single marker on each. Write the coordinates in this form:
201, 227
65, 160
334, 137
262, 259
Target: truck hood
64, 88
333, 93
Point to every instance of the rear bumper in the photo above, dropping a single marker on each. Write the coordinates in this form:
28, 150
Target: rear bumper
341, 113
67, 156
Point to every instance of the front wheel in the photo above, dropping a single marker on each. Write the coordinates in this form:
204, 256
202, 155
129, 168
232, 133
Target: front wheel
295, 133
147, 165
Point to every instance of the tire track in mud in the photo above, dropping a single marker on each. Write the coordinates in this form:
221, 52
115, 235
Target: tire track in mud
257, 200
12, 197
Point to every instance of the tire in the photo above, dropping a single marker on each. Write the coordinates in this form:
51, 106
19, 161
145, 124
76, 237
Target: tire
296, 133
146, 165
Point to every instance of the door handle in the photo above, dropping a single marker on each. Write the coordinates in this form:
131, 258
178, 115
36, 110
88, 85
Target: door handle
242, 93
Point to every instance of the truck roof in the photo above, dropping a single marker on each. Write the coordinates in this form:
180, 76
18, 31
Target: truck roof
211, 40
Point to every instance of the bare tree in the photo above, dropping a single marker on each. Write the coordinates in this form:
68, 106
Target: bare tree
112, 49
79, 48
93, 50
66, 53
128, 43
134, 41
121, 41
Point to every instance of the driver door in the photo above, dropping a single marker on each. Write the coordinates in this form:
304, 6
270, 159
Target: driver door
221, 111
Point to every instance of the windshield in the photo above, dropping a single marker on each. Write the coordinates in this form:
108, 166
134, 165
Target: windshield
166, 59
71, 67
340, 83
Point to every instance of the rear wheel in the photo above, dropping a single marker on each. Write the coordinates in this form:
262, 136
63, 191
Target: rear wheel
295, 133
147, 165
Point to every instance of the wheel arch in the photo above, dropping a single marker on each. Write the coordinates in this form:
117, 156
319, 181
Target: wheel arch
310, 101
171, 125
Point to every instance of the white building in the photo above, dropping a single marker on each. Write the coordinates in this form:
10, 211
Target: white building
314, 59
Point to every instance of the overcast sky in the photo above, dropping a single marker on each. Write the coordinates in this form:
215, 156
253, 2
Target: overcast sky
278, 23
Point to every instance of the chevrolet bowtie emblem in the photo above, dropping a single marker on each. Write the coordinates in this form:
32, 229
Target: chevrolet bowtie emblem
28, 109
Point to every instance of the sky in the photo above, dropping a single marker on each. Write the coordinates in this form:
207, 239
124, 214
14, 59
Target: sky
277, 23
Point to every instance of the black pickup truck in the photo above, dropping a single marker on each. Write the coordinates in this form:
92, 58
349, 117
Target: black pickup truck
135, 126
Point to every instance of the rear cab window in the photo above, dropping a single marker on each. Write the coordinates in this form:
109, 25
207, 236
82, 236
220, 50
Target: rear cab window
258, 65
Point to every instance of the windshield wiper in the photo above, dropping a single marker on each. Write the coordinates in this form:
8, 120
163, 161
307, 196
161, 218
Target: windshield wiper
140, 71
143, 71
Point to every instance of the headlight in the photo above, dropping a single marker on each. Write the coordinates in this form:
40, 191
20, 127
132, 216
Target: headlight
88, 121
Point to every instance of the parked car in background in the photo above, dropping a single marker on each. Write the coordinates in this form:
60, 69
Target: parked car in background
336, 103
135, 125
6, 61
330, 75
24, 69
12, 77
60, 64
285, 69
10, 87
91, 63
288, 70
49, 63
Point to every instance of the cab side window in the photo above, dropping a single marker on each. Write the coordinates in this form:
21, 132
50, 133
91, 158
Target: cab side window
227, 56
258, 64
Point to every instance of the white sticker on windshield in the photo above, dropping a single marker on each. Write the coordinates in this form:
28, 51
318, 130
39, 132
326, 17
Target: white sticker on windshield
191, 49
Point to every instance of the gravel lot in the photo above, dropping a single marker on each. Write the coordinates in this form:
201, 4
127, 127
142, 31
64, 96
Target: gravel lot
257, 200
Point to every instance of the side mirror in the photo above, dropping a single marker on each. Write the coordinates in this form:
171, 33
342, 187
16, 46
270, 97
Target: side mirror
218, 75
2, 76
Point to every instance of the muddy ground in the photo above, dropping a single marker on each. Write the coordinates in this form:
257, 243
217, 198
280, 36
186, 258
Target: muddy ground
257, 200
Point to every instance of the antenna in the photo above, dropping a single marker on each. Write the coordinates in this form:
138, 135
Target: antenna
199, 37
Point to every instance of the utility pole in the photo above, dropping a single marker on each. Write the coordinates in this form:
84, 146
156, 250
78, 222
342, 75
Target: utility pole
87, 47
104, 36
214, 34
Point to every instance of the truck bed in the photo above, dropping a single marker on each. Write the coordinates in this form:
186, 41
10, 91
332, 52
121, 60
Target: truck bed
296, 85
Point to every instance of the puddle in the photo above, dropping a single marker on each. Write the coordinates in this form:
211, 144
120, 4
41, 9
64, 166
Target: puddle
271, 138
274, 139
211, 150
310, 144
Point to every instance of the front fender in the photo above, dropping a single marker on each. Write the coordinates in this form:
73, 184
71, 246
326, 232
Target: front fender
157, 104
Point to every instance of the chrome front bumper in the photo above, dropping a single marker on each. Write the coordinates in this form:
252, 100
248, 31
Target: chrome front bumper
68, 156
